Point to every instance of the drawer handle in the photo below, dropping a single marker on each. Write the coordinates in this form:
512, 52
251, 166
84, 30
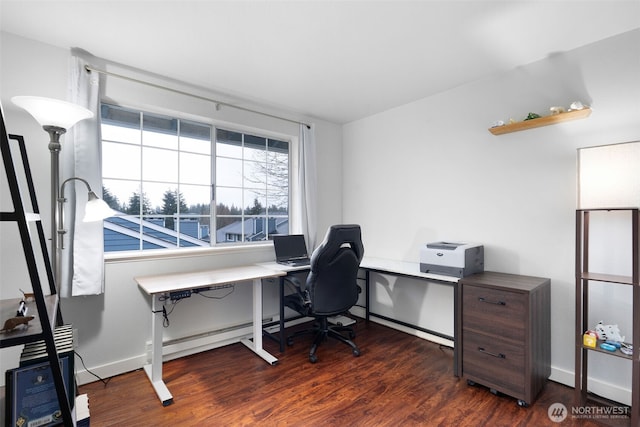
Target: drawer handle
488, 301
499, 355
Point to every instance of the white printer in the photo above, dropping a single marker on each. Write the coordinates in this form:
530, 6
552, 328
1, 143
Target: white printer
452, 259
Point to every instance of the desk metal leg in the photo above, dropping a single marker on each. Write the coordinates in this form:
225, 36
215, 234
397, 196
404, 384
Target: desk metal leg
366, 297
256, 344
154, 370
456, 330
282, 332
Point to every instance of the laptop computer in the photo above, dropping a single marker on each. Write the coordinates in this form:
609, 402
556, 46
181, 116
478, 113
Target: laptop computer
291, 250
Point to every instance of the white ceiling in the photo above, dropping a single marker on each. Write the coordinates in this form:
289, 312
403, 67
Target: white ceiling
333, 60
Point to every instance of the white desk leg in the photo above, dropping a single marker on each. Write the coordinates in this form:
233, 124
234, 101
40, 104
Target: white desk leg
154, 370
256, 344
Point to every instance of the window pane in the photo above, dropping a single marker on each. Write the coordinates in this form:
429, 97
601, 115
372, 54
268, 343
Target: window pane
159, 165
229, 198
228, 150
195, 137
255, 175
194, 145
255, 202
278, 146
197, 198
195, 169
278, 198
229, 137
160, 132
117, 193
112, 115
120, 160
255, 148
154, 194
120, 134
228, 172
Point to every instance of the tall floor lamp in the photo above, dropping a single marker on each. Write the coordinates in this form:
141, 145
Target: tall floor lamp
56, 117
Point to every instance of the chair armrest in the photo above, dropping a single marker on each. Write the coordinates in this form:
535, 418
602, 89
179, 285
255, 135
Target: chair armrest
295, 282
301, 288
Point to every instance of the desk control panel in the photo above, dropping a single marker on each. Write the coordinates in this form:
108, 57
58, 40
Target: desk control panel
178, 295
187, 293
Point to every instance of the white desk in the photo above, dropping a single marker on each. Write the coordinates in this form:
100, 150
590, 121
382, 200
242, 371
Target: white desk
403, 268
157, 286
412, 270
382, 266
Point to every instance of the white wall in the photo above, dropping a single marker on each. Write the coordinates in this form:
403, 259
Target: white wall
430, 171
114, 328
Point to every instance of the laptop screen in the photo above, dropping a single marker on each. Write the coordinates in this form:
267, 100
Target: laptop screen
290, 247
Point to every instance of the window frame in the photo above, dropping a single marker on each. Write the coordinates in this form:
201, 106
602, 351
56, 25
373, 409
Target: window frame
214, 125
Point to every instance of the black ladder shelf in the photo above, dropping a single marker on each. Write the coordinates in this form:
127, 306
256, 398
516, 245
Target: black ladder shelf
46, 306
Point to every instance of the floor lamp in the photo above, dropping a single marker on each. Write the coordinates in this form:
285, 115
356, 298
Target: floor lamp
56, 117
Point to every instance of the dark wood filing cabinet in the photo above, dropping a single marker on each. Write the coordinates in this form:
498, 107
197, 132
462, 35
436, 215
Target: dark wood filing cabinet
504, 329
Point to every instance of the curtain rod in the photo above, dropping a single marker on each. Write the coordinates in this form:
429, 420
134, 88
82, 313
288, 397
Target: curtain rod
204, 98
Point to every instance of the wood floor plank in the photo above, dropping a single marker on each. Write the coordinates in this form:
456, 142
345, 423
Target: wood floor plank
399, 380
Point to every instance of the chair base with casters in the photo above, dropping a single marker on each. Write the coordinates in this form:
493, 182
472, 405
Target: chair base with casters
323, 330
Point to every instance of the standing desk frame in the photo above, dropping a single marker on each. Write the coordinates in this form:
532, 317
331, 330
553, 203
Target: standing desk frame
412, 270
383, 266
159, 285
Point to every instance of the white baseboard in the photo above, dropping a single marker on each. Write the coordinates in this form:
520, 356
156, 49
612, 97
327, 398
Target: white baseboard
596, 386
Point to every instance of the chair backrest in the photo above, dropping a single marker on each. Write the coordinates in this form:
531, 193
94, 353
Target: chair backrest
332, 282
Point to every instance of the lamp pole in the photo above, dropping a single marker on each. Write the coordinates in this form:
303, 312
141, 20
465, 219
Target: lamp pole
54, 148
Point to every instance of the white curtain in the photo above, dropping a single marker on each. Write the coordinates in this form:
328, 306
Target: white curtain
82, 265
307, 183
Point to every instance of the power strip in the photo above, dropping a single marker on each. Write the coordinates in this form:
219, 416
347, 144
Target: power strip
177, 295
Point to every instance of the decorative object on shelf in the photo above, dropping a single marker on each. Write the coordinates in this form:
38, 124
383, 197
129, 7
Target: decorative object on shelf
14, 322
56, 117
532, 116
576, 105
590, 339
609, 332
556, 110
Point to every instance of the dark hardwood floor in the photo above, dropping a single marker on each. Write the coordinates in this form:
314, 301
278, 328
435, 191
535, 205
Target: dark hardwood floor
399, 380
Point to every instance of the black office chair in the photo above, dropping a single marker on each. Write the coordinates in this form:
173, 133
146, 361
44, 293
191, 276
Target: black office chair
331, 287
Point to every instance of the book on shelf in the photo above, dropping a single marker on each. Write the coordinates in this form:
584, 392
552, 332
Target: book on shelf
31, 397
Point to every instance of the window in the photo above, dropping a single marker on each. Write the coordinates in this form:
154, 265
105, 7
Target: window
162, 173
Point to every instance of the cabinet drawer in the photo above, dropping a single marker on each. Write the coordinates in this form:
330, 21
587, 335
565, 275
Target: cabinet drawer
494, 363
494, 311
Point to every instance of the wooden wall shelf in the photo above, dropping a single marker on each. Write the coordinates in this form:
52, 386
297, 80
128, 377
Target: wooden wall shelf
542, 121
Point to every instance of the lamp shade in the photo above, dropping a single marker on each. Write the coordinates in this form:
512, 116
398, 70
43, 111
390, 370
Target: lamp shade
96, 209
52, 112
609, 176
